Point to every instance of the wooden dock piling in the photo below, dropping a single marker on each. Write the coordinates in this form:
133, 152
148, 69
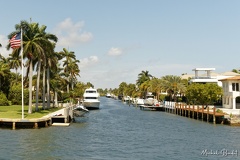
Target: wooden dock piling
195, 112
214, 115
207, 114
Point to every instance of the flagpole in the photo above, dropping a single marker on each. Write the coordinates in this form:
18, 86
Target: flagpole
22, 73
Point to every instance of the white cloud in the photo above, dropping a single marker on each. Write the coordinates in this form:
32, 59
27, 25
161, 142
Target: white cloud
115, 52
71, 34
89, 61
4, 41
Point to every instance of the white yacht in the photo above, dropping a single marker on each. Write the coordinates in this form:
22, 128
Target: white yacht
91, 99
150, 100
108, 95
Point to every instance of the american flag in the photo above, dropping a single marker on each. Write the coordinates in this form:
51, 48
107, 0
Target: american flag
15, 41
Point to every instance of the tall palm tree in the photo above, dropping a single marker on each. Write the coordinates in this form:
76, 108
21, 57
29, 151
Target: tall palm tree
73, 70
51, 65
48, 47
143, 76
69, 56
32, 48
57, 82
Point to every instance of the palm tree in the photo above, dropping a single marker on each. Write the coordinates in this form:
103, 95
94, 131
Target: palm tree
144, 88
4, 70
73, 70
143, 76
69, 56
52, 64
173, 85
157, 86
48, 47
32, 49
14, 62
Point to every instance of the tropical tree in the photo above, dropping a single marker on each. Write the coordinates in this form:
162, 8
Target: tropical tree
48, 48
73, 70
157, 86
32, 49
142, 77
203, 94
121, 89
68, 56
236, 71
173, 85
14, 62
144, 88
5, 75
56, 82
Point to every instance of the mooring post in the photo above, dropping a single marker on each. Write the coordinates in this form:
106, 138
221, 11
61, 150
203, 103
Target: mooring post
193, 111
214, 116
14, 125
185, 108
189, 111
175, 108
46, 124
180, 109
197, 112
207, 114
35, 125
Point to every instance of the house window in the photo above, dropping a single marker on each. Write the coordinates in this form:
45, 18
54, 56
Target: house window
233, 86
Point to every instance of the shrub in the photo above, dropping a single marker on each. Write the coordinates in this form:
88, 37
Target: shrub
15, 95
3, 100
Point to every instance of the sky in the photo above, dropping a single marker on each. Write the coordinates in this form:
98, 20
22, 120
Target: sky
115, 40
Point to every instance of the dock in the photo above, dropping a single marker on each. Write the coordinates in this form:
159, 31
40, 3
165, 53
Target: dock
62, 117
191, 111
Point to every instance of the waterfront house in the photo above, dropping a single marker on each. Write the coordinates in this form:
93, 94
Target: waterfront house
229, 81
209, 76
231, 94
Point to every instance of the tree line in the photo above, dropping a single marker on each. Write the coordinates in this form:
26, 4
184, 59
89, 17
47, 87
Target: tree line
56, 72
174, 88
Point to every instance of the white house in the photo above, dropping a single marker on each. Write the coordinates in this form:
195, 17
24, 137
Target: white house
231, 91
209, 76
229, 81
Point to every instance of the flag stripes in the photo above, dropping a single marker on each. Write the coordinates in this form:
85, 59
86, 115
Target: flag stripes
15, 41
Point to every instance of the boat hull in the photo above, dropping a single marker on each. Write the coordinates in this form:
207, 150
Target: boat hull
80, 111
91, 104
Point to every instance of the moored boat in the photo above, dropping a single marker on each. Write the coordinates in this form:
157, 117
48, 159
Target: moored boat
80, 111
108, 95
91, 99
150, 100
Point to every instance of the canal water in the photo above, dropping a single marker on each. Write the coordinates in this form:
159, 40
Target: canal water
118, 131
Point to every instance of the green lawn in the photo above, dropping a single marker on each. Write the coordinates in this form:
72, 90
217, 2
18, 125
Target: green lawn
15, 112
